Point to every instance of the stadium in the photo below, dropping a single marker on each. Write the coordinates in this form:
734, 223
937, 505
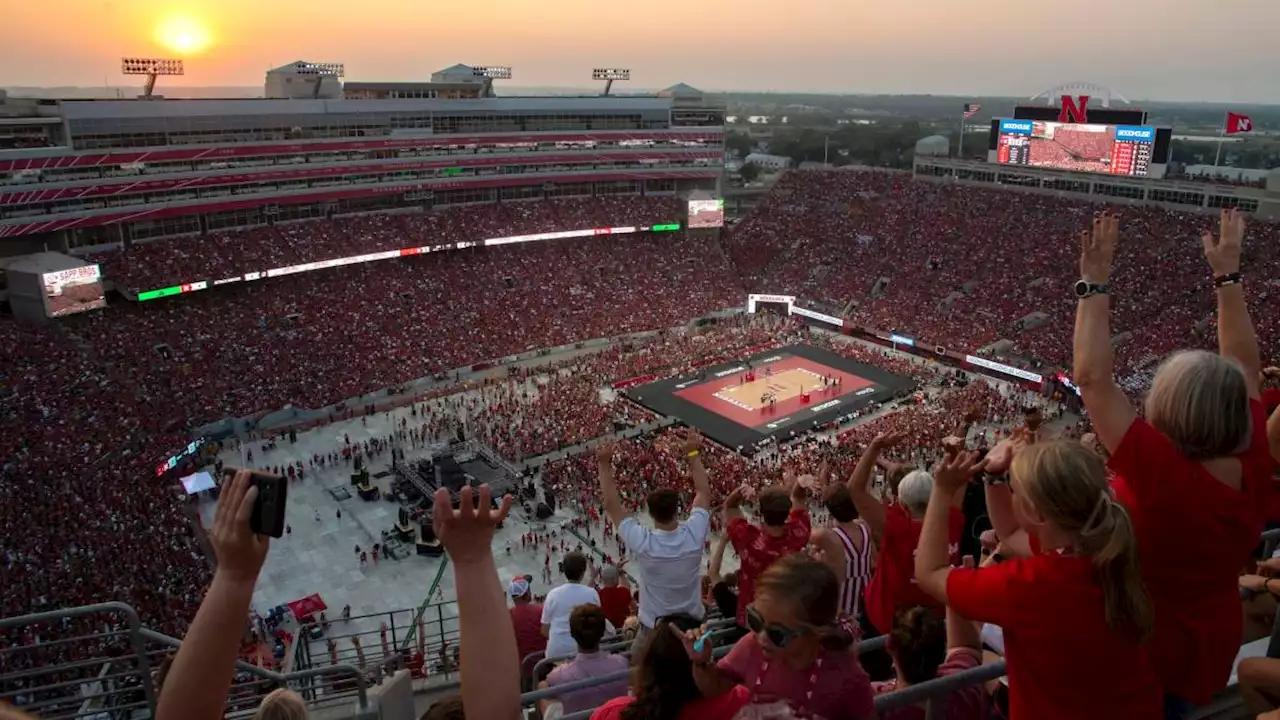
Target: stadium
380, 296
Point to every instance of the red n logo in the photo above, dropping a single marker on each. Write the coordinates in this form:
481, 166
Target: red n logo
1074, 110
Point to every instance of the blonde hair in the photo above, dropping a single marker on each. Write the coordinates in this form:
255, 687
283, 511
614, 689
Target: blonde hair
1200, 401
1068, 484
282, 704
914, 492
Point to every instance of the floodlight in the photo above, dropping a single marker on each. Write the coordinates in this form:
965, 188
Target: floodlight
330, 69
152, 68
493, 72
609, 75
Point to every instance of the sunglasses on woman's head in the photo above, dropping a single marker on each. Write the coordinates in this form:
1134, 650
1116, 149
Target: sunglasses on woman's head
779, 635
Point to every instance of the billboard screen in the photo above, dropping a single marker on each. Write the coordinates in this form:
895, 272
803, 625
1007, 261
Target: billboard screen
706, 214
73, 291
1111, 149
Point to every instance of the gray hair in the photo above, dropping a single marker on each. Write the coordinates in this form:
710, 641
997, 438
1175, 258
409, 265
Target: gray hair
1200, 401
914, 492
282, 704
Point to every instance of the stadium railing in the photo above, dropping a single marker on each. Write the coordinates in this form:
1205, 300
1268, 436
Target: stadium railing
101, 660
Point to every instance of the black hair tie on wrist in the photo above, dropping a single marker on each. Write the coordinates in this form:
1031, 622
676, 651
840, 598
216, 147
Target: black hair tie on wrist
1234, 278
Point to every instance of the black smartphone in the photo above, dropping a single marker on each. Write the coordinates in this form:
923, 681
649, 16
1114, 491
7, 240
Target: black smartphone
268, 508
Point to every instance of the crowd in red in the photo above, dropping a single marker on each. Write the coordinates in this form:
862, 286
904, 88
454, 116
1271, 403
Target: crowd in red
885, 244
93, 402
1084, 145
228, 254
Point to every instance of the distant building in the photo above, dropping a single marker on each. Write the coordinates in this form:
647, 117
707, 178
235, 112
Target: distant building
769, 162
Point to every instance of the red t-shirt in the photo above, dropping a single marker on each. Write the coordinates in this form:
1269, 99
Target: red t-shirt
1064, 660
842, 690
724, 707
526, 618
1194, 536
757, 550
615, 601
893, 584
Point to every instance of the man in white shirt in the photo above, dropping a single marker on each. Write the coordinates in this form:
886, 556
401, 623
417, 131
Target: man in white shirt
670, 555
560, 603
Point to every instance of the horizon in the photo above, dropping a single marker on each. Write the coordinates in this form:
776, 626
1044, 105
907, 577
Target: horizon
1179, 51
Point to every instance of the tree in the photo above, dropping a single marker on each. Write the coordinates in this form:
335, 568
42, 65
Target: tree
738, 142
749, 172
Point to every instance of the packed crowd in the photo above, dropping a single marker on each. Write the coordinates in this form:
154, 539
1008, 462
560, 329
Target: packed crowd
884, 245
229, 254
92, 403
1084, 145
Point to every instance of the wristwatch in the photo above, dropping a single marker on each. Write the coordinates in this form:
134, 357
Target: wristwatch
1085, 289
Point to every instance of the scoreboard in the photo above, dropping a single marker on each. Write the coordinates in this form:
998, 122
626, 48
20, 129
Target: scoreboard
1112, 149
1131, 150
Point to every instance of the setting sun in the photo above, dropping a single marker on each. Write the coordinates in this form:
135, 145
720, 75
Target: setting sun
183, 35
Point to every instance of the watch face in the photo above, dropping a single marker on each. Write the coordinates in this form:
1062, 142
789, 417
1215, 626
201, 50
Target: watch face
1082, 289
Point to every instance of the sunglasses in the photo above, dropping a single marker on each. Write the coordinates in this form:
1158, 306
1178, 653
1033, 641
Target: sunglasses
779, 635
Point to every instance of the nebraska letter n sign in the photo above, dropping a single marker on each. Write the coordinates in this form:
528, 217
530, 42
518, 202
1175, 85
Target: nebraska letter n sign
1074, 109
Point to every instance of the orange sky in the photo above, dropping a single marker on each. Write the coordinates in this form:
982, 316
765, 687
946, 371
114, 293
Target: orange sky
1170, 49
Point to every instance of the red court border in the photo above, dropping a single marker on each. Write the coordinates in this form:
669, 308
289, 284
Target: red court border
703, 394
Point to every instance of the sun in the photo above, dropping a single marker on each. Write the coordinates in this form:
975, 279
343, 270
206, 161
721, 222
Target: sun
183, 35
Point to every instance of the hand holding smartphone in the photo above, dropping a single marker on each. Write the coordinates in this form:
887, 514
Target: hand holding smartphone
268, 508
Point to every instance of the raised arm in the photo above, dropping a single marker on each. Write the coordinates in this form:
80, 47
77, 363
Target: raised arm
1000, 496
717, 558
871, 509
1236, 338
733, 506
467, 535
933, 557
609, 485
197, 684
1093, 360
701, 482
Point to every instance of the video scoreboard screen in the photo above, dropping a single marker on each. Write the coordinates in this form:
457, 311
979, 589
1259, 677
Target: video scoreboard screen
1112, 149
73, 290
706, 214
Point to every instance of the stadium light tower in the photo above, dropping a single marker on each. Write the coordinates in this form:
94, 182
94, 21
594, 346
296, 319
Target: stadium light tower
152, 68
491, 73
609, 75
321, 71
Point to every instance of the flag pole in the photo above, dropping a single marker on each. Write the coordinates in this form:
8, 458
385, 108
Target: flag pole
1222, 136
960, 149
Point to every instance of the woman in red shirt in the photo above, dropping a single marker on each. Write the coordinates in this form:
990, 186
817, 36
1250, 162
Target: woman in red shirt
1195, 473
1075, 614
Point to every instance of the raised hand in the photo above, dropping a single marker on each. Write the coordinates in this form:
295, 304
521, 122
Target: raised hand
604, 453
889, 439
699, 654
239, 550
467, 532
692, 441
1098, 248
954, 472
1223, 253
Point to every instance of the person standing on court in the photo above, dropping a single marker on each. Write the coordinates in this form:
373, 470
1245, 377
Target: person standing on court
669, 555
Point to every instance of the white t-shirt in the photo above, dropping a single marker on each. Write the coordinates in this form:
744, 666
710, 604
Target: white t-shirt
559, 604
670, 565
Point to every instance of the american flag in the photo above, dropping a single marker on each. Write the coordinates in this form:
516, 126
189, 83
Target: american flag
971, 109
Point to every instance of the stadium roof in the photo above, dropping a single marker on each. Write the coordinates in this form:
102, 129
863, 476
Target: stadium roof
680, 90
43, 262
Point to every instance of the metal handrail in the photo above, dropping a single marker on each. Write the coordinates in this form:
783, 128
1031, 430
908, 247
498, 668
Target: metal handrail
362, 689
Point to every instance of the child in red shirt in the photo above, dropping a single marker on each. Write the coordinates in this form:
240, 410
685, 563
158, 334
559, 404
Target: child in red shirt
1076, 613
